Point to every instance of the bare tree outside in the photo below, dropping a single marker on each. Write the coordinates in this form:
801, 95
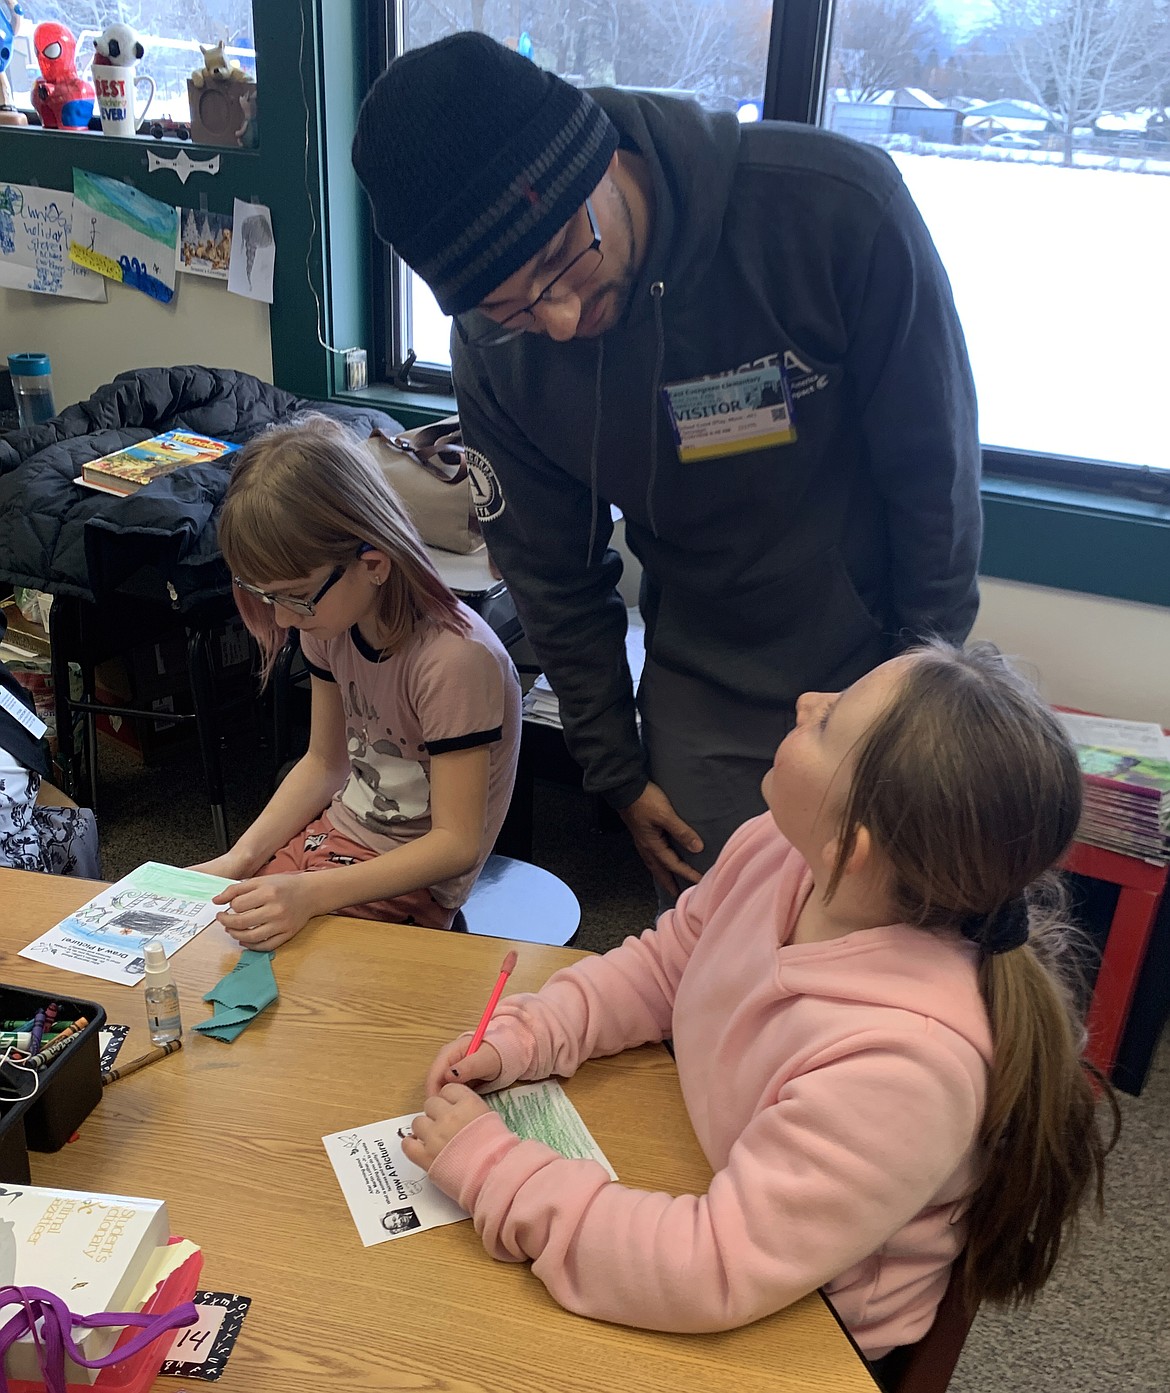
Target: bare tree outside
877, 45
713, 49
1078, 59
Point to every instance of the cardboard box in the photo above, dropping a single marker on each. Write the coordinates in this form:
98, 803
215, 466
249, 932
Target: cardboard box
24, 633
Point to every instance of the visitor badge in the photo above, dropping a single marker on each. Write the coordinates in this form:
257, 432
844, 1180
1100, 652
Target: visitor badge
750, 409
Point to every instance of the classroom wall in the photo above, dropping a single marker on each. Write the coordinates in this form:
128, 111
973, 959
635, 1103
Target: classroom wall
1102, 655
89, 344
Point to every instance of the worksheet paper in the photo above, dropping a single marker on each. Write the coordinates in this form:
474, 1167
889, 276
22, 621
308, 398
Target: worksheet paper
390, 1196
105, 938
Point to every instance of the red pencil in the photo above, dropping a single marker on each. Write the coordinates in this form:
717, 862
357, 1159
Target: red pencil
481, 1029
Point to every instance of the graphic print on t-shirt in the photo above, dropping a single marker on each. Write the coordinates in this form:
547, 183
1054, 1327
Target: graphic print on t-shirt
385, 786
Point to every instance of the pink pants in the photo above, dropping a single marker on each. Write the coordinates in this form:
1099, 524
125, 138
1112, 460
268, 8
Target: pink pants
321, 847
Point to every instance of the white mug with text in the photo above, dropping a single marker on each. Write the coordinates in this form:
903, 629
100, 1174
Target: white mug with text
116, 98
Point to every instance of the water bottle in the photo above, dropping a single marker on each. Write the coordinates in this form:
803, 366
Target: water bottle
162, 996
32, 385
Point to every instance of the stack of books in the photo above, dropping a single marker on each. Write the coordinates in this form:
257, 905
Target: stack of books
540, 701
1126, 767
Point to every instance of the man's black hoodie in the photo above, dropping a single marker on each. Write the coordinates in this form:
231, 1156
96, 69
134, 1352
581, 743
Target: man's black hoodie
768, 573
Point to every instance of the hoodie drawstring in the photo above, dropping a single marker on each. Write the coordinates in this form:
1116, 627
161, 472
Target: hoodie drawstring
657, 291
593, 452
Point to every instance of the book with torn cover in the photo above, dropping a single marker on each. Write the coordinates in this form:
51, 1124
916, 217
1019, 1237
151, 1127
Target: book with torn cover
126, 471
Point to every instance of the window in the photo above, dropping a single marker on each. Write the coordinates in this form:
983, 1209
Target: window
164, 28
1034, 136
1035, 139
712, 50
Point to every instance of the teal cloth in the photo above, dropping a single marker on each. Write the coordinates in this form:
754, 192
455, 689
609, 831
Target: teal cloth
240, 996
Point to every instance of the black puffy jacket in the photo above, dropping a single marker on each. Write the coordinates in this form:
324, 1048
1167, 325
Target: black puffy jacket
159, 543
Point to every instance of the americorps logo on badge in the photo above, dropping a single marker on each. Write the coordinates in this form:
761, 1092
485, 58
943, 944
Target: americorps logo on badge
485, 487
201, 1350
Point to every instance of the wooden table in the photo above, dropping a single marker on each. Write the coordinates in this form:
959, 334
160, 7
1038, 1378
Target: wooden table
230, 1136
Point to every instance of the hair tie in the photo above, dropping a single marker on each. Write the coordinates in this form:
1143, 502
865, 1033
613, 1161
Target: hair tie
1001, 931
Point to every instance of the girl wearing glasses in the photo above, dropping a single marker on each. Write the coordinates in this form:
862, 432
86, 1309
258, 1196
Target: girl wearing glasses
415, 714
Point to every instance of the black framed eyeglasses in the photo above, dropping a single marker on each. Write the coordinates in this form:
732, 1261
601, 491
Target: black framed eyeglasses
308, 607
481, 331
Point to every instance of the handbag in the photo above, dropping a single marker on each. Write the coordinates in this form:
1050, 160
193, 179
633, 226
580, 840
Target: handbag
427, 470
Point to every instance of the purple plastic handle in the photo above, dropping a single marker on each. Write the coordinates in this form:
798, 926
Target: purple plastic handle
56, 1321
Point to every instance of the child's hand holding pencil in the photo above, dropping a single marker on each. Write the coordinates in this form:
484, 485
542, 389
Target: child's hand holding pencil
453, 1064
467, 1064
451, 1105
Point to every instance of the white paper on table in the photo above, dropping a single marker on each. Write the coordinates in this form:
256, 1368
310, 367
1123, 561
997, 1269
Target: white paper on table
1127, 737
35, 227
389, 1196
105, 938
253, 252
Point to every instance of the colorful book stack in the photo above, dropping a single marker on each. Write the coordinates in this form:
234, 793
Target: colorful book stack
1126, 766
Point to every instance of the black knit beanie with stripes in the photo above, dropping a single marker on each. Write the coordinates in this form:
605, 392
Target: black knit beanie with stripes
473, 158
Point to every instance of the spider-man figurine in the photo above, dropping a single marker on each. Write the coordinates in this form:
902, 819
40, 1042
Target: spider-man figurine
63, 99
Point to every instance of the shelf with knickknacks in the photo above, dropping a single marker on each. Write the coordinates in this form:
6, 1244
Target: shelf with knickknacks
10, 114
223, 102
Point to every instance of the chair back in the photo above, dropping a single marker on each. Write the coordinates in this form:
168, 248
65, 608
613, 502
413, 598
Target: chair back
926, 1367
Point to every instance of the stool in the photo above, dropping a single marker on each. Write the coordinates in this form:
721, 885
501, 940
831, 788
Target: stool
514, 899
1142, 887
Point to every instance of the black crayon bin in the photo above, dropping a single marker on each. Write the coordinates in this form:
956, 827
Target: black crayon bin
70, 1086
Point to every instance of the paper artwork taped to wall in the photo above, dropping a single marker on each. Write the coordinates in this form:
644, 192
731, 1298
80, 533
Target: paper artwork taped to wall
205, 244
253, 252
35, 226
124, 235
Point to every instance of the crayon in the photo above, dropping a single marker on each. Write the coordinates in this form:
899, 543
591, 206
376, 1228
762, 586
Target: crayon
59, 1045
15, 1039
38, 1029
159, 1052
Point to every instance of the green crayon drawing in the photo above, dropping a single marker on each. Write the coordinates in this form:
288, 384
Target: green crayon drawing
542, 1112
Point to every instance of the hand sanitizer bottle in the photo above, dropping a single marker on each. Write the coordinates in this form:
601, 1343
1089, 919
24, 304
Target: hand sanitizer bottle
162, 996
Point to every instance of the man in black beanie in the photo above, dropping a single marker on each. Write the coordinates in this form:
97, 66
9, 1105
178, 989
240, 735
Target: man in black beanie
743, 338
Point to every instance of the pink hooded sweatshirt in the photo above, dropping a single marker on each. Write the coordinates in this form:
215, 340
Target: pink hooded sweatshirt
836, 1088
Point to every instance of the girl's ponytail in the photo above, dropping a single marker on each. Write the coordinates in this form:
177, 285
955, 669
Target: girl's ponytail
1040, 1131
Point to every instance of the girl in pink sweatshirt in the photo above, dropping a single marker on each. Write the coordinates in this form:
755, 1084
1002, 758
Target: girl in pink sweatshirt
877, 1052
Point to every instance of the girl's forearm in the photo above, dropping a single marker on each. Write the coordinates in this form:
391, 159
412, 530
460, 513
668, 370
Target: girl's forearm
435, 856
302, 796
